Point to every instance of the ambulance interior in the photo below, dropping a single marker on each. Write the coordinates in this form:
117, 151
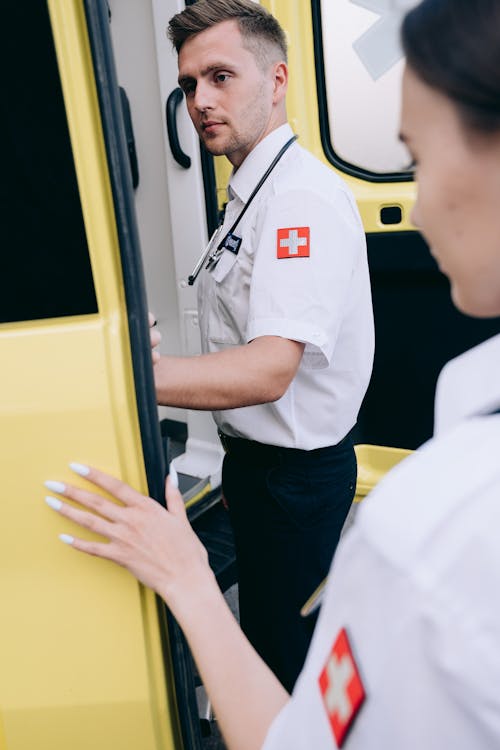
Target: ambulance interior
179, 192
417, 327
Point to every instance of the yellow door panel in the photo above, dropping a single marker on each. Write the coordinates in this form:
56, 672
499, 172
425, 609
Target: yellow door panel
82, 108
80, 643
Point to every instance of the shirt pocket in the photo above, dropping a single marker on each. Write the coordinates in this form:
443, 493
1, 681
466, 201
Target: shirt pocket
224, 266
225, 327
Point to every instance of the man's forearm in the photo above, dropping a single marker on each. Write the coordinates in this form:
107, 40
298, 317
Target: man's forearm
204, 383
256, 373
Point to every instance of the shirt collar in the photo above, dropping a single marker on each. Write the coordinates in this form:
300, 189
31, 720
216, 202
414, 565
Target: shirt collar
243, 181
469, 385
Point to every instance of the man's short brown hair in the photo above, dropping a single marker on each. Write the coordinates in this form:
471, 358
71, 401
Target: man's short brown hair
261, 32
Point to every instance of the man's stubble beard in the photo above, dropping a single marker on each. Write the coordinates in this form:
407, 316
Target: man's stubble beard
230, 146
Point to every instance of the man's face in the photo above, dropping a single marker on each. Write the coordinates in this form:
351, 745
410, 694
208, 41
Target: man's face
230, 99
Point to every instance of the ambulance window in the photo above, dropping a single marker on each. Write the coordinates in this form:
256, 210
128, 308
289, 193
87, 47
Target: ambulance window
360, 81
45, 267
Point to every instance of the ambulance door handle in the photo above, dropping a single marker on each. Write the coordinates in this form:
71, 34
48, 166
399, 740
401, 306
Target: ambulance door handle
171, 107
129, 135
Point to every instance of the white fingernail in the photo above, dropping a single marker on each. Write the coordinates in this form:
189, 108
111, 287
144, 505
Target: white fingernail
55, 486
173, 476
80, 469
66, 538
53, 502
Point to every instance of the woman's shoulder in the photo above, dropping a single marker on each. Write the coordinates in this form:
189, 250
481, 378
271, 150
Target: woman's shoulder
453, 476
468, 385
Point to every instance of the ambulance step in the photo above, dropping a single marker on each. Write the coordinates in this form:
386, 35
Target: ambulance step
214, 531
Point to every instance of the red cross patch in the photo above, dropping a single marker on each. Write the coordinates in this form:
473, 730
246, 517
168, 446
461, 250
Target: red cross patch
293, 242
341, 687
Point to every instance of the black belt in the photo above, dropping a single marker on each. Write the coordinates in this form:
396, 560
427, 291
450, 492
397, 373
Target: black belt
262, 452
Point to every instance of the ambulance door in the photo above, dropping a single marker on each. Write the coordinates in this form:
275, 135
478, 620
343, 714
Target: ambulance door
190, 210
346, 66
89, 659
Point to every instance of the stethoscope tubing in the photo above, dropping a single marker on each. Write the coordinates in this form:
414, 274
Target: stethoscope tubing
213, 256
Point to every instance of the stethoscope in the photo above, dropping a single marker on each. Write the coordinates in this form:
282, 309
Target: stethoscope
230, 241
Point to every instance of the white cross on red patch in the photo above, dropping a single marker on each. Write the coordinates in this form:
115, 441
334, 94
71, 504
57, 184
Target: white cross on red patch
293, 242
341, 687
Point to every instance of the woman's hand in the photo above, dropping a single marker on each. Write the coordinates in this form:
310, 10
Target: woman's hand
160, 548
157, 546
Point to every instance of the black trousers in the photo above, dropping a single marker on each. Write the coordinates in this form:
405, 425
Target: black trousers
287, 509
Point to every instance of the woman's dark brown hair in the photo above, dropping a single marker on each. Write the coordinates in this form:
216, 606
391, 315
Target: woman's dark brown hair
454, 46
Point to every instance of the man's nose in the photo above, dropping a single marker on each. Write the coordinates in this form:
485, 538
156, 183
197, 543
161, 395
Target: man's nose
202, 97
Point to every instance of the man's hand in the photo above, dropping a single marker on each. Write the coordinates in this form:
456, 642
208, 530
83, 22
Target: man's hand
155, 338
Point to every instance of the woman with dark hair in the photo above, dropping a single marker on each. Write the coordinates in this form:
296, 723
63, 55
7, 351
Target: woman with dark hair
406, 653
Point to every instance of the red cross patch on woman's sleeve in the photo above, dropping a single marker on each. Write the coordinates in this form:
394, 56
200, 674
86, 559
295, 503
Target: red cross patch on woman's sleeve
341, 687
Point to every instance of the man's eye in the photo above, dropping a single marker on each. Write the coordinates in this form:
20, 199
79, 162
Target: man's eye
221, 77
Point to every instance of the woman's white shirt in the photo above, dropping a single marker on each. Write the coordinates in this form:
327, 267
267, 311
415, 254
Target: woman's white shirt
406, 652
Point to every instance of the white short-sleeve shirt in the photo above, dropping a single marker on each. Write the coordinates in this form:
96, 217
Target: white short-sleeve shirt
415, 586
301, 273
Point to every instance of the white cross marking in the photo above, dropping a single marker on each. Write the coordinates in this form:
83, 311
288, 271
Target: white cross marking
293, 242
378, 47
339, 675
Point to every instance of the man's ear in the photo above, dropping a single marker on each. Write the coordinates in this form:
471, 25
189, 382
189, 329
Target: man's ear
280, 75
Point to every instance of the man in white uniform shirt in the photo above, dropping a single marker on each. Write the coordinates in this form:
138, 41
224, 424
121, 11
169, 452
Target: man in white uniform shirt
286, 325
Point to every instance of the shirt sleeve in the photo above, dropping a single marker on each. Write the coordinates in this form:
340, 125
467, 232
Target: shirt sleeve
307, 248
427, 686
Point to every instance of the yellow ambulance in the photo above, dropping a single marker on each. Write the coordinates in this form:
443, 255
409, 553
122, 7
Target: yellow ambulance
107, 202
